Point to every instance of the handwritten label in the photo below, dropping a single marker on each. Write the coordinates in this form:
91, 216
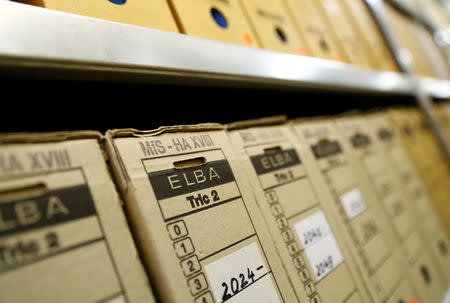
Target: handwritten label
353, 203
319, 243
241, 276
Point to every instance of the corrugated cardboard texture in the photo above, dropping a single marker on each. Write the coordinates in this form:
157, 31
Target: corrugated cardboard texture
423, 269
63, 233
273, 26
353, 45
199, 228
368, 235
314, 30
149, 13
216, 20
305, 232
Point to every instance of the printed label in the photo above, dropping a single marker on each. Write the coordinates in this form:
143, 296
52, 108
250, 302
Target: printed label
326, 149
353, 203
241, 277
267, 163
320, 245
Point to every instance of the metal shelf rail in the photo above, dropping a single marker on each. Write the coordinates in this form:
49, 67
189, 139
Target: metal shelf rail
47, 41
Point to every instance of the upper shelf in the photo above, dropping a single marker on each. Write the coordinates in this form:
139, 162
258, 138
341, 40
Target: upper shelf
71, 45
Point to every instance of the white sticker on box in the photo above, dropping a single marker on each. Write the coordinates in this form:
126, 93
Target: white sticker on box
320, 245
353, 203
241, 276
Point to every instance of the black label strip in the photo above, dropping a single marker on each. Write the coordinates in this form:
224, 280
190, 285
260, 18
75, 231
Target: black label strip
326, 149
174, 182
267, 163
53, 207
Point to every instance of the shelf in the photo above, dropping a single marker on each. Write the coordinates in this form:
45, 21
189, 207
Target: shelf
63, 45
436, 88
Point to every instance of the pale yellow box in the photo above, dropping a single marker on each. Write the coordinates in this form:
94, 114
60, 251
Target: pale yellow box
312, 26
273, 26
367, 233
148, 13
201, 233
426, 155
63, 233
372, 165
353, 45
216, 20
403, 29
321, 266
363, 22
395, 152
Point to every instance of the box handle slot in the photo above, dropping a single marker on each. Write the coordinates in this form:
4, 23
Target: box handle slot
272, 150
189, 163
23, 191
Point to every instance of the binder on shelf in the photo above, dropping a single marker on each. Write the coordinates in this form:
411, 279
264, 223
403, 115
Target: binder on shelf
371, 163
273, 26
201, 233
367, 233
352, 45
309, 242
363, 22
64, 236
149, 13
312, 27
217, 20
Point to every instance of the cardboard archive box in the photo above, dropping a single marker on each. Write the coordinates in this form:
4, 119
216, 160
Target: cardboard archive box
63, 233
273, 26
148, 13
217, 20
395, 152
367, 231
313, 29
403, 29
200, 231
363, 22
352, 44
430, 164
371, 164
305, 232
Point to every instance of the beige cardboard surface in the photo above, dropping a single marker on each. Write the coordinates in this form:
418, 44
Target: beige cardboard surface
423, 269
329, 162
362, 21
273, 26
199, 228
320, 266
353, 45
312, 26
413, 189
403, 29
63, 233
149, 13
425, 161
197, 18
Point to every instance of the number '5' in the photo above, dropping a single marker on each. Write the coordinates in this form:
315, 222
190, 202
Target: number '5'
119, 2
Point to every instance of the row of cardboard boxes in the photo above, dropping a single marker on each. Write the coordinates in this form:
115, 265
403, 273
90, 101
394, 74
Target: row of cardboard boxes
328, 209
342, 30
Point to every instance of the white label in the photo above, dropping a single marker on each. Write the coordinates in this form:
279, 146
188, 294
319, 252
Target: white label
447, 297
320, 245
353, 203
241, 276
